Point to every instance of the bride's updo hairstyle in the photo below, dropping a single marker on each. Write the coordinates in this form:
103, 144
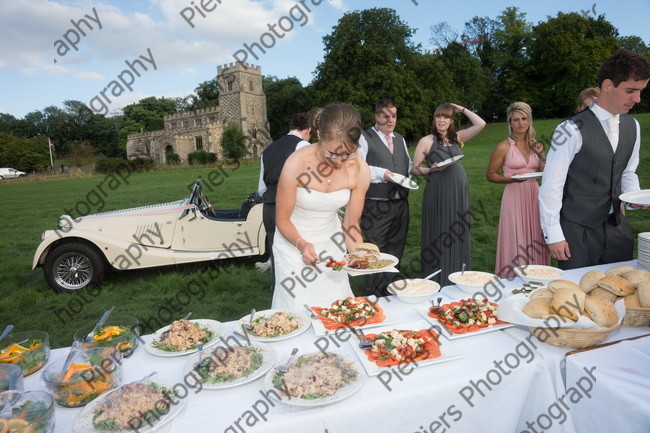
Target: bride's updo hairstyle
340, 123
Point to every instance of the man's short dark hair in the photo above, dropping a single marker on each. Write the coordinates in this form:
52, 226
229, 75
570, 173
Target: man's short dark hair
300, 122
383, 104
624, 65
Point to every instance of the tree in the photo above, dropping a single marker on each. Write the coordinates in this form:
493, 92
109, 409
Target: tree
233, 142
565, 54
149, 112
467, 74
25, 154
284, 98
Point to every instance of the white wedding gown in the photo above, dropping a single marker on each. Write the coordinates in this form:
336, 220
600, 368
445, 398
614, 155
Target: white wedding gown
315, 215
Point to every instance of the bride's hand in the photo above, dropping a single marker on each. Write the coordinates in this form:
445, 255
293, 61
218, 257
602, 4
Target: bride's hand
309, 256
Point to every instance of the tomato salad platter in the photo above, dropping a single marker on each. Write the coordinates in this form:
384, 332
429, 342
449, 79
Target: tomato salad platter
414, 342
466, 317
347, 313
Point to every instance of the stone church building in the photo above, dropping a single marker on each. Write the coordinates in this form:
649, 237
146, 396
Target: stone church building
241, 101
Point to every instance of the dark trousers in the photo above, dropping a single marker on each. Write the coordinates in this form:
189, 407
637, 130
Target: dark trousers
268, 218
609, 243
385, 223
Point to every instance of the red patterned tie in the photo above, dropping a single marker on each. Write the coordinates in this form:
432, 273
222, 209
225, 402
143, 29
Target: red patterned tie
389, 139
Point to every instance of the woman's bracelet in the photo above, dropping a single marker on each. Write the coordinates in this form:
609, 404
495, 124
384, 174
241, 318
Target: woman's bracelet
299, 239
463, 110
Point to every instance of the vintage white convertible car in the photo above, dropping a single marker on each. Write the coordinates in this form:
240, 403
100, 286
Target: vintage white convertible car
190, 230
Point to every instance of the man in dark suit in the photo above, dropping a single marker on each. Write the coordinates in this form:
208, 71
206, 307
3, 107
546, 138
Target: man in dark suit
593, 159
385, 217
272, 162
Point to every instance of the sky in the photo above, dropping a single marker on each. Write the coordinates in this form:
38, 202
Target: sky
49, 55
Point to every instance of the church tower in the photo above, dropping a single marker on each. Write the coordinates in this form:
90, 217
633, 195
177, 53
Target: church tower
242, 101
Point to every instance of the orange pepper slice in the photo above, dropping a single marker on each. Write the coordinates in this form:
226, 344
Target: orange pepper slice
14, 349
74, 368
4, 425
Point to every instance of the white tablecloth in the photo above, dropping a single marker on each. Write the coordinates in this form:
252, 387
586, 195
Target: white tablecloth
512, 382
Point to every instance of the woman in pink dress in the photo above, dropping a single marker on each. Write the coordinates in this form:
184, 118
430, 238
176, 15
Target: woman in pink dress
520, 234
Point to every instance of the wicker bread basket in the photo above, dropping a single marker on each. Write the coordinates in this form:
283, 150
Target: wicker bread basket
570, 338
636, 316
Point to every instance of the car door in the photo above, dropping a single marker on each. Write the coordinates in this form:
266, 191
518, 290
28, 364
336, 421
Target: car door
200, 233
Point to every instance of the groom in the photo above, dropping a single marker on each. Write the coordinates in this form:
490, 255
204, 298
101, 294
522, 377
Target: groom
385, 217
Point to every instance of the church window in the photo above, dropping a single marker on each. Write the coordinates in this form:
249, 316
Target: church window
230, 85
199, 142
250, 85
254, 133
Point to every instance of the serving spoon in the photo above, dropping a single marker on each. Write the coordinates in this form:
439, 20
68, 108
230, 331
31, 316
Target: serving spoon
249, 327
99, 324
363, 341
6, 331
432, 275
285, 367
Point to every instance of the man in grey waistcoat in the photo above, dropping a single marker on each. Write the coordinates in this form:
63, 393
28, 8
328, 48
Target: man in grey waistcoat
593, 159
385, 217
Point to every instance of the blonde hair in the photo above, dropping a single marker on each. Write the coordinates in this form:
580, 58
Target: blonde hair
589, 92
523, 108
340, 123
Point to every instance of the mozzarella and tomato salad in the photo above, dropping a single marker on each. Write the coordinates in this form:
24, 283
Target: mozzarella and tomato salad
396, 347
349, 310
467, 315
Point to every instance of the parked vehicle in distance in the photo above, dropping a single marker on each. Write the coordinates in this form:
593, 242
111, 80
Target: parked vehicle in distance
184, 231
11, 173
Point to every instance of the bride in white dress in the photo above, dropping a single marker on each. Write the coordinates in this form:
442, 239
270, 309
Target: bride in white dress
316, 182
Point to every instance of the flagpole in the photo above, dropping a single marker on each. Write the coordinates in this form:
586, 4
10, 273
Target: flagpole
49, 146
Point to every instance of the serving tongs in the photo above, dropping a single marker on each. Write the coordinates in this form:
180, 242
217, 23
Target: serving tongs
311, 312
437, 308
164, 334
363, 341
285, 367
13, 380
73, 351
249, 327
99, 324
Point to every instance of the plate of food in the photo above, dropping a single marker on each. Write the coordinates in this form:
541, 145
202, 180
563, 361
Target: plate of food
136, 406
450, 161
416, 342
404, 181
274, 325
466, 317
367, 259
356, 312
183, 337
315, 379
224, 367
524, 176
641, 197
539, 273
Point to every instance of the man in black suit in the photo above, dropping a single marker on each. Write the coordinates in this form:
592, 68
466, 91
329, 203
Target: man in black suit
272, 162
385, 218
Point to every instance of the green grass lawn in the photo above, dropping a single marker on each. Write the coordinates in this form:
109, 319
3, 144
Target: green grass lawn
230, 288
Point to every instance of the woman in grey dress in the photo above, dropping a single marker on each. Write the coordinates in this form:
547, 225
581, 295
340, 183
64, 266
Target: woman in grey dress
445, 203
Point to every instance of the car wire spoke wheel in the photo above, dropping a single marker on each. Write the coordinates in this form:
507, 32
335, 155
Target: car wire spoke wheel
73, 270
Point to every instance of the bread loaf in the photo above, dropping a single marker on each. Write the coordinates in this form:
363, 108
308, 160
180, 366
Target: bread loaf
568, 302
635, 276
644, 294
541, 293
538, 308
553, 286
617, 285
618, 270
601, 311
589, 281
631, 301
602, 293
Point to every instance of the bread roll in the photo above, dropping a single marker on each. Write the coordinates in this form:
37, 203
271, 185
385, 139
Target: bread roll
618, 270
589, 281
635, 276
541, 293
631, 301
553, 286
602, 293
558, 318
601, 311
367, 246
644, 294
568, 302
538, 308
617, 285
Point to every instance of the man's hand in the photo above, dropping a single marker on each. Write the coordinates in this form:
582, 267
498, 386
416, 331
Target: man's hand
560, 250
388, 176
638, 206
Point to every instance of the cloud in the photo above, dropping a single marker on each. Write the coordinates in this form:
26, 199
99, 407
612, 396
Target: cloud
89, 75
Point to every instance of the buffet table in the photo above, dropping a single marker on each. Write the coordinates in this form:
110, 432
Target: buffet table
500, 384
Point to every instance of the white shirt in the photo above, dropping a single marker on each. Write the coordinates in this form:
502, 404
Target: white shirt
261, 186
377, 173
566, 143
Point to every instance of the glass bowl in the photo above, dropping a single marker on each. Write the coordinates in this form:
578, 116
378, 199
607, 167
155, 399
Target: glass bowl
5, 372
91, 373
27, 349
125, 342
27, 411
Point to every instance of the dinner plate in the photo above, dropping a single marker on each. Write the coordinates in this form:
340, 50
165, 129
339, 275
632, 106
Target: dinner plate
424, 312
340, 394
535, 175
218, 354
217, 328
319, 327
305, 323
382, 256
450, 161
83, 423
447, 351
641, 198
404, 181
